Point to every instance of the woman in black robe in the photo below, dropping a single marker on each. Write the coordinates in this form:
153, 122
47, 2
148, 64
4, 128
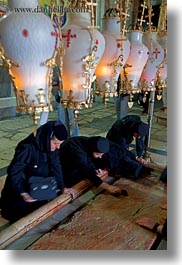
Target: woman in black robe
77, 155
38, 156
124, 131
120, 162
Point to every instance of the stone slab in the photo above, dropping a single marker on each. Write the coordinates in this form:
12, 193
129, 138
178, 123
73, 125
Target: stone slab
109, 223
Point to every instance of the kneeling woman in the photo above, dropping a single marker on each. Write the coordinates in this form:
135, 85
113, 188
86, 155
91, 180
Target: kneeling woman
77, 155
37, 157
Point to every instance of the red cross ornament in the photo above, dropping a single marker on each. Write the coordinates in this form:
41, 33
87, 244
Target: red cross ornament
68, 37
156, 52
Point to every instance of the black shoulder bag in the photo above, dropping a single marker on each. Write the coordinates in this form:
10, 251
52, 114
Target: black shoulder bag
43, 188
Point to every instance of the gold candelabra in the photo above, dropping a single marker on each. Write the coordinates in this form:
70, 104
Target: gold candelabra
162, 22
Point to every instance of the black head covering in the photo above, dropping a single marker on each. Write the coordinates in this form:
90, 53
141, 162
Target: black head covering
44, 134
60, 132
142, 129
99, 144
47, 131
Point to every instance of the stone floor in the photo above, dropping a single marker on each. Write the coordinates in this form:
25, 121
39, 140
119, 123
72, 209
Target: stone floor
92, 121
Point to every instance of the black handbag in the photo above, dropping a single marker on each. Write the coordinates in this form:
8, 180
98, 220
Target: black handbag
43, 188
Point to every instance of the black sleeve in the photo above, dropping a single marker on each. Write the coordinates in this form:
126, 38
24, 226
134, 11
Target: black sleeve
56, 169
16, 176
87, 168
131, 155
139, 147
102, 163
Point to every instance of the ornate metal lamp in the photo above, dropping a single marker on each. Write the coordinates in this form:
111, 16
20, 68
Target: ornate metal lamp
156, 56
150, 79
116, 51
28, 48
137, 59
84, 47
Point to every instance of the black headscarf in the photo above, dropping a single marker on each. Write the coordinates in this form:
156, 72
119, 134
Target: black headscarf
45, 133
98, 144
142, 129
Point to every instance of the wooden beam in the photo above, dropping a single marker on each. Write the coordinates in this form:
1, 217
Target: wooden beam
20, 227
155, 166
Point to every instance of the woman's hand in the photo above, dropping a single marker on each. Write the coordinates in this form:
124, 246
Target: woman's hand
102, 173
70, 191
141, 160
27, 198
111, 188
114, 189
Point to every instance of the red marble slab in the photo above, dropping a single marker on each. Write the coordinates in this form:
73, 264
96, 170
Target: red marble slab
109, 223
